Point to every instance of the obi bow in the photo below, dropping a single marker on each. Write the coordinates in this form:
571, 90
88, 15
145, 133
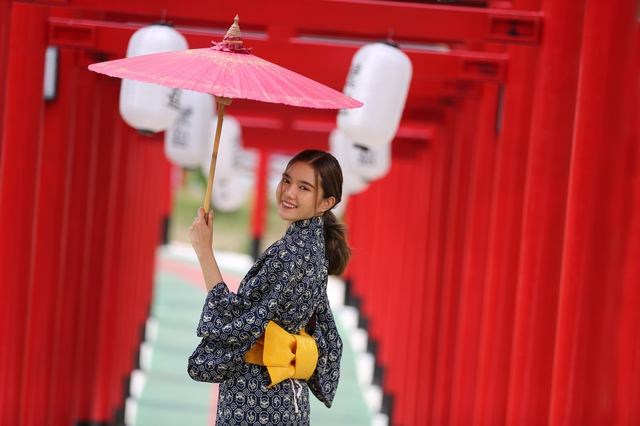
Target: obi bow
286, 356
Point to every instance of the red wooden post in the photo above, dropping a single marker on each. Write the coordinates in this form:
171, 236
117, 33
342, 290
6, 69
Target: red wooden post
397, 234
62, 378
399, 341
584, 376
496, 334
52, 190
120, 249
377, 250
544, 213
442, 160
371, 202
134, 299
20, 150
106, 204
366, 210
5, 25
139, 216
628, 362
260, 203
404, 357
473, 261
91, 300
455, 228
628, 345
130, 263
407, 184
412, 397
67, 378
359, 241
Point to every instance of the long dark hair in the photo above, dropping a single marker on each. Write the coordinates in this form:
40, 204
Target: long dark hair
329, 175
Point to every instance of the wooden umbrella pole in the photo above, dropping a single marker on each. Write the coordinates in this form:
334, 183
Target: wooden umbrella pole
222, 102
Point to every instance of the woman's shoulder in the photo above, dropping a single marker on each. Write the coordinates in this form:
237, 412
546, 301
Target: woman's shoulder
309, 231
303, 236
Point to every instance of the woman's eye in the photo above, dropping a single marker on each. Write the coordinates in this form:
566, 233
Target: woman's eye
285, 180
304, 188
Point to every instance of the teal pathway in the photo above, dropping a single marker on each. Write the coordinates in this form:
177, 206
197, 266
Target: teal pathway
164, 395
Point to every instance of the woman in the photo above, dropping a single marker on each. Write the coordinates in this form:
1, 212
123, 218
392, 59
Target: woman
286, 288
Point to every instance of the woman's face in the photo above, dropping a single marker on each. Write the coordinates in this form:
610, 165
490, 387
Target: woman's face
299, 196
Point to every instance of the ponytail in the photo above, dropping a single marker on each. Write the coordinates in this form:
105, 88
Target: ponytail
335, 237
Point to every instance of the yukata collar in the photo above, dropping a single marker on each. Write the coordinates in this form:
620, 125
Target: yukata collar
311, 223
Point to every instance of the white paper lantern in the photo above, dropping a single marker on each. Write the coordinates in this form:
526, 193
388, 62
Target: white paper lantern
352, 183
185, 142
379, 77
340, 146
149, 107
229, 148
370, 163
230, 193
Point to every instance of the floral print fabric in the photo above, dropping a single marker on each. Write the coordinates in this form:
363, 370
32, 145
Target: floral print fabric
287, 284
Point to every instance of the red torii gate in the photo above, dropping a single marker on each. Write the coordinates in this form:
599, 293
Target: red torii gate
483, 216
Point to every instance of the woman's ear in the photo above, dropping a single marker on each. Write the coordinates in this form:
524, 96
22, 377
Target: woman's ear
327, 203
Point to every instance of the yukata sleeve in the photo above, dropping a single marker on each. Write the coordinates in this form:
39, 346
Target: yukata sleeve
230, 323
324, 381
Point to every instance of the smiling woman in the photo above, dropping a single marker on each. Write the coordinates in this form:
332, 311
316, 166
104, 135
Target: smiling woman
285, 291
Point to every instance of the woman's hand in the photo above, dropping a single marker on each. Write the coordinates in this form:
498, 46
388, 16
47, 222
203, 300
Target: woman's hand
201, 233
201, 236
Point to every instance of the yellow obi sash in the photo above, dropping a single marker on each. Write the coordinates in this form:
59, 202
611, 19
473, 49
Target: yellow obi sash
286, 356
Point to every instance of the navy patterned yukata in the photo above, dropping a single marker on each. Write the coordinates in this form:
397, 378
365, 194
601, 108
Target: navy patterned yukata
287, 284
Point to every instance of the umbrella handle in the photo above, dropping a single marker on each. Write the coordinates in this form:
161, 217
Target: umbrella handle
222, 102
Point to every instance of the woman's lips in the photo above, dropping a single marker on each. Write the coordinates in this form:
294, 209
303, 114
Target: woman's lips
288, 205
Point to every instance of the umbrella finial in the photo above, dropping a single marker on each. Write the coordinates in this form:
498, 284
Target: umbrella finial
232, 42
234, 29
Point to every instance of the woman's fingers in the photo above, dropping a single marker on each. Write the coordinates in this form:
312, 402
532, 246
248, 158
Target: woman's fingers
201, 232
200, 216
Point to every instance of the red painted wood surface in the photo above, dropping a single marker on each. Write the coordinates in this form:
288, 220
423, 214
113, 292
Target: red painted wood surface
628, 344
498, 310
597, 223
495, 265
474, 261
5, 26
23, 121
544, 214
455, 229
68, 383
45, 283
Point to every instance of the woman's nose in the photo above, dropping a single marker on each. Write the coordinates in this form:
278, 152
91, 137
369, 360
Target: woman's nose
289, 191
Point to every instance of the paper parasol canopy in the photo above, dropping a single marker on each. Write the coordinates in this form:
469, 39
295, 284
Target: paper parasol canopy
228, 71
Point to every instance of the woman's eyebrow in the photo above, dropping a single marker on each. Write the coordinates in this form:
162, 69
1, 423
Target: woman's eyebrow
304, 182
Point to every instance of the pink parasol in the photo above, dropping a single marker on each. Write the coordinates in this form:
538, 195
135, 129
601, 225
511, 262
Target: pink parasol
226, 70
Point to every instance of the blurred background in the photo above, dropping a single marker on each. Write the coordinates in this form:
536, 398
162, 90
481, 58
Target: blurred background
491, 190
